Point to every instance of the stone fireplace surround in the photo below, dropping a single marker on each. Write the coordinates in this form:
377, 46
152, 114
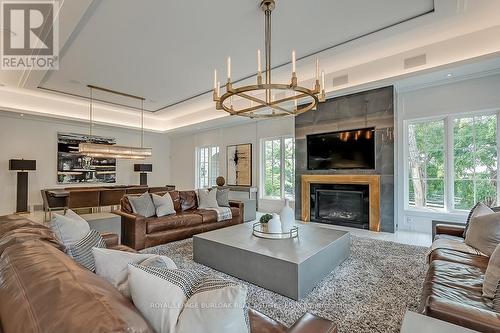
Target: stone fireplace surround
372, 108
373, 182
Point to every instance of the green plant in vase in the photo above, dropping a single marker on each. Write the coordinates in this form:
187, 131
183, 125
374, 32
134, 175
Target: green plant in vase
265, 218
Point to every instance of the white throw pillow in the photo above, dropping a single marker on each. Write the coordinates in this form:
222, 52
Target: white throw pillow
163, 204
207, 198
188, 300
492, 275
69, 228
113, 265
484, 233
142, 205
479, 209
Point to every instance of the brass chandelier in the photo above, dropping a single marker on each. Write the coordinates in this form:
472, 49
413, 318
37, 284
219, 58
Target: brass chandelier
293, 100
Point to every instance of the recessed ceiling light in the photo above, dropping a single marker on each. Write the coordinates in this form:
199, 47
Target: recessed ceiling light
449, 75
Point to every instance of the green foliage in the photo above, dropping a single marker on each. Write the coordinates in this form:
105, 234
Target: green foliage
273, 168
474, 161
265, 218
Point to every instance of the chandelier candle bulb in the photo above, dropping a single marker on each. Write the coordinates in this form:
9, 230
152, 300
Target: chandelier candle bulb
259, 64
215, 79
322, 81
293, 63
229, 68
317, 69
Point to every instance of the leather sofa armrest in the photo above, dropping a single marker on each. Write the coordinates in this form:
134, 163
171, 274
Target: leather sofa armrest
110, 239
133, 230
463, 315
240, 205
311, 323
448, 229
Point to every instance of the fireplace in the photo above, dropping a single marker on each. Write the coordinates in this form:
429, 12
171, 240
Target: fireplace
341, 204
349, 200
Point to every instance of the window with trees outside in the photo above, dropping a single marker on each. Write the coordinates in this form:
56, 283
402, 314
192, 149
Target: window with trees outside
278, 168
452, 162
207, 166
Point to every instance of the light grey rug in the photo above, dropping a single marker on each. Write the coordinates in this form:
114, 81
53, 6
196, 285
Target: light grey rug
369, 292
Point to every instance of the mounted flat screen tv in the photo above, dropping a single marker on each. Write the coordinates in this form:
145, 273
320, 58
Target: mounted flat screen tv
353, 149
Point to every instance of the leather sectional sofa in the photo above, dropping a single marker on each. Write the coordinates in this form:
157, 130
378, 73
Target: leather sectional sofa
44, 290
139, 232
453, 287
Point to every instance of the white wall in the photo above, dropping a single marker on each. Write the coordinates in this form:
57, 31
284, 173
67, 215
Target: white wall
184, 147
32, 138
458, 97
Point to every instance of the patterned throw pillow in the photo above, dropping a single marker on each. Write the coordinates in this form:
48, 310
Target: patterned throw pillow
478, 210
184, 300
142, 205
82, 250
496, 300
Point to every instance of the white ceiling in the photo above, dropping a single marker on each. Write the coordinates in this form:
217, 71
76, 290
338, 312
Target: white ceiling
167, 50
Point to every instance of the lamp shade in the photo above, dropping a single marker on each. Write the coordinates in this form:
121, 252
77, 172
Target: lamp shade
22, 165
143, 167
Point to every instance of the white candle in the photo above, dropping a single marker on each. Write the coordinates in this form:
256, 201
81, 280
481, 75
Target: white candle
229, 68
323, 80
317, 69
293, 61
259, 64
215, 79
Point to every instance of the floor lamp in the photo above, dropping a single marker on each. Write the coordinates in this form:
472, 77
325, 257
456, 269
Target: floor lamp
22, 166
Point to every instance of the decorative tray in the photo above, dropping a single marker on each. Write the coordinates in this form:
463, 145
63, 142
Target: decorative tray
260, 230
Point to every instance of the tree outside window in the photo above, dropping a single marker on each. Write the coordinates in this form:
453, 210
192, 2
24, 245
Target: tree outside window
207, 166
471, 155
279, 168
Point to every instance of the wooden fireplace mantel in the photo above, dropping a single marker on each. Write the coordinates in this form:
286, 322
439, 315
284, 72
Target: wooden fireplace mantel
373, 182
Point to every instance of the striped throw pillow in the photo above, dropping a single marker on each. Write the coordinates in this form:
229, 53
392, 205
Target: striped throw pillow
186, 300
81, 251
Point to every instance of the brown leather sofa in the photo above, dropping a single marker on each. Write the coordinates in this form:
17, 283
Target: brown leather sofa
140, 232
44, 290
453, 287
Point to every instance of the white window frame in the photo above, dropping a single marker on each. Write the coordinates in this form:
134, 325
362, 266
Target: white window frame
282, 139
449, 160
209, 169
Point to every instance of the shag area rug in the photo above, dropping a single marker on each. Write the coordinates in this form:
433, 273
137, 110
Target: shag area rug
369, 292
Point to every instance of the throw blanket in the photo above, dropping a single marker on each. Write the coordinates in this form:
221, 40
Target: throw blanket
452, 244
223, 213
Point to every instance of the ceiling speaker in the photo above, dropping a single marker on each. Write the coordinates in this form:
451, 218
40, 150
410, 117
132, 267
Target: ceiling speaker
415, 61
340, 80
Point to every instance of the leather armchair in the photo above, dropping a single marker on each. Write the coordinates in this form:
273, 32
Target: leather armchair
133, 229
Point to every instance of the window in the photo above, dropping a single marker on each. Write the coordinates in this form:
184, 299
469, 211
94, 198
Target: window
207, 166
426, 164
475, 161
452, 162
278, 179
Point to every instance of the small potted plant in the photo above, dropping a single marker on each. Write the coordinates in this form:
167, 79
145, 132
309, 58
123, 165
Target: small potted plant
265, 218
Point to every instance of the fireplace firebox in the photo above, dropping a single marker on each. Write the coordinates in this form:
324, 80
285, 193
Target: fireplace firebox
340, 204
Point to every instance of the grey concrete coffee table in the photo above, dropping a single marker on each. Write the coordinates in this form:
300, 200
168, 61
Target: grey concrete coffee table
290, 267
